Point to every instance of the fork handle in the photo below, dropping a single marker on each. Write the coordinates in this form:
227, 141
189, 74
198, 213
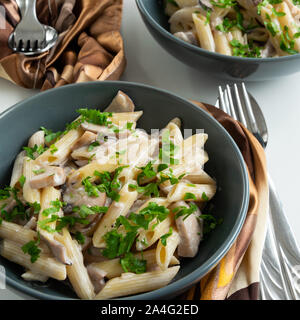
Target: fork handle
30, 9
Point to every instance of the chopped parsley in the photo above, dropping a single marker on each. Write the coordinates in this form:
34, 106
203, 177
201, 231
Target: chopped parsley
147, 172
164, 176
286, 43
108, 184
209, 222
50, 135
260, 5
165, 236
204, 196
95, 116
22, 180
247, 50
62, 222
93, 145
90, 188
20, 210
208, 14
129, 126
30, 152
147, 190
223, 3
130, 263
79, 237
32, 249
53, 148
39, 171
5, 193
278, 14
85, 211
119, 245
168, 149
189, 196
56, 206
185, 212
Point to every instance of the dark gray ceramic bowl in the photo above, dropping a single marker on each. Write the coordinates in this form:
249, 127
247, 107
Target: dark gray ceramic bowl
234, 68
54, 108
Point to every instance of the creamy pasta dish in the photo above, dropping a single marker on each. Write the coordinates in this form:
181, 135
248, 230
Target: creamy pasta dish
244, 28
105, 206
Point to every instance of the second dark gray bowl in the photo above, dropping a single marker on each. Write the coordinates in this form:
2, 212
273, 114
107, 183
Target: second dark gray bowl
54, 108
233, 68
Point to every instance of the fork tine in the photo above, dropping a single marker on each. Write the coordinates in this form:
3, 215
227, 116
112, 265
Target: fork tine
253, 125
222, 101
230, 102
249, 110
241, 116
226, 100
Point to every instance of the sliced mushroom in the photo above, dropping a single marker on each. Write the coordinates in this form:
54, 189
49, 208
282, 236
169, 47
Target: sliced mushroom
121, 103
93, 254
78, 197
105, 132
190, 232
87, 138
32, 276
81, 163
187, 36
88, 230
54, 176
136, 205
95, 128
87, 243
9, 203
58, 250
182, 20
97, 276
31, 224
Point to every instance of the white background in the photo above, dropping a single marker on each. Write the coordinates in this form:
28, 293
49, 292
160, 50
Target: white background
148, 63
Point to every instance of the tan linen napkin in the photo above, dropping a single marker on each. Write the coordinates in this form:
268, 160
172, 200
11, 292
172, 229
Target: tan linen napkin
89, 46
236, 277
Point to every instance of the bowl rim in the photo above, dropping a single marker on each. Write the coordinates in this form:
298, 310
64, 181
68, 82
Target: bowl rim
190, 279
170, 36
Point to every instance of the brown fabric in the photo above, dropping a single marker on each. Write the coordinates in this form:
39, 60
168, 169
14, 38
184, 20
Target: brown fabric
89, 46
236, 276
249, 293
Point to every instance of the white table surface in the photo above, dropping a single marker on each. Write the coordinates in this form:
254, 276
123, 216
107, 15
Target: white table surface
148, 63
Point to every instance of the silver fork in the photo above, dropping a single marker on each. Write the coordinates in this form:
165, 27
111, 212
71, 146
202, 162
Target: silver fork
29, 35
280, 265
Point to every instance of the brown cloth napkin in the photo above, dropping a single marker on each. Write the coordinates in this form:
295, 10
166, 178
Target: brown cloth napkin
89, 46
236, 277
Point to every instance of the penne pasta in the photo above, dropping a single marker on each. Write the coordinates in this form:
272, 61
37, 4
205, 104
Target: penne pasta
147, 238
45, 265
200, 192
164, 253
29, 194
204, 33
95, 203
117, 208
60, 151
114, 269
130, 283
77, 273
17, 169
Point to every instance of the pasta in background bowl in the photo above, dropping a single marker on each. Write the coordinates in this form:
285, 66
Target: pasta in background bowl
81, 181
240, 39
